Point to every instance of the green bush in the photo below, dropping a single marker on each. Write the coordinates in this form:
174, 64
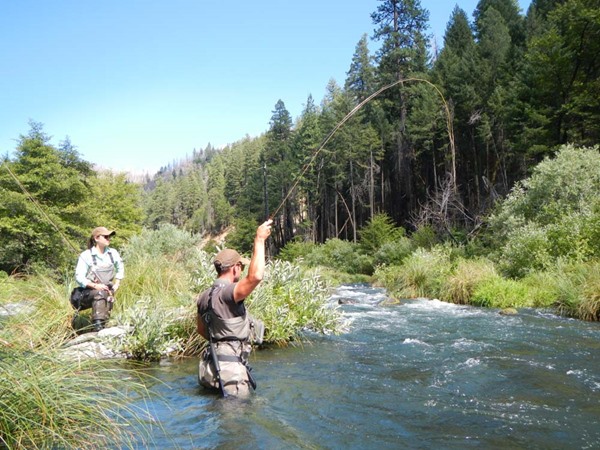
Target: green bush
153, 331
290, 301
552, 215
393, 253
527, 250
377, 232
340, 255
567, 183
424, 237
167, 240
296, 250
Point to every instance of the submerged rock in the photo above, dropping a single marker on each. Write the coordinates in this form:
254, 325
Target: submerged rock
346, 301
509, 312
388, 301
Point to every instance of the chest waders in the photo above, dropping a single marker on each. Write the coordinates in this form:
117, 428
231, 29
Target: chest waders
83, 298
101, 300
224, 329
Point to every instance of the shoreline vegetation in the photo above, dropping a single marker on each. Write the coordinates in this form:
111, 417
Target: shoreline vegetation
539, 249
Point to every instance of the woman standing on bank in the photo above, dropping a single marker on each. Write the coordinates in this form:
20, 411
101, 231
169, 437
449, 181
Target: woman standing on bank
100, 270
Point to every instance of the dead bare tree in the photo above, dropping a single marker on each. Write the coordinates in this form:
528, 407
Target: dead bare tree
444, 210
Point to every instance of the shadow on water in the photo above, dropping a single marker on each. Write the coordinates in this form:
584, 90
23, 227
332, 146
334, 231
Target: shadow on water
423, 374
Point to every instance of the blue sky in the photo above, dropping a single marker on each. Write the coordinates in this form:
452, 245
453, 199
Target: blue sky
139, 84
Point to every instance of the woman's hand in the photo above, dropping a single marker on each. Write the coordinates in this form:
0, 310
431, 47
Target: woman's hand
100, 287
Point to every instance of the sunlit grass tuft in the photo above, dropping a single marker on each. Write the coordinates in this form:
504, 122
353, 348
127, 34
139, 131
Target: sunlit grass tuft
51, 402
42, 313
579, 290
422, 274
458, 287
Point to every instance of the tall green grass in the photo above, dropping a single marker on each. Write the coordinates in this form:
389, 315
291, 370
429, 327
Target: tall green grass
422, 274
44, 313
570, 288
578, 288
47, 401
468, 274
499, 292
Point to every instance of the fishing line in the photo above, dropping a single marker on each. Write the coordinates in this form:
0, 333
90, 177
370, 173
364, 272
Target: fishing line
39, 207
41, 210
354, 111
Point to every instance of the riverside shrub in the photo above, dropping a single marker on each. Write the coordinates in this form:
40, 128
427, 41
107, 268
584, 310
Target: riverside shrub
341, 255
393, 253
296, 250
379, 231
291, 301
551, 215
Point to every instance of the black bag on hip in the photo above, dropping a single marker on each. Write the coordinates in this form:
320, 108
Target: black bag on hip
81, 298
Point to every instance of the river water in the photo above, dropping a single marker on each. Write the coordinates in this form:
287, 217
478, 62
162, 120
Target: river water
421, 375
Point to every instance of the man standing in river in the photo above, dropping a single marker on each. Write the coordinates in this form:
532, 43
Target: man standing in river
223, 321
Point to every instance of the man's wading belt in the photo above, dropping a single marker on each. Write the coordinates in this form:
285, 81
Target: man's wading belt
214, 354
230, 358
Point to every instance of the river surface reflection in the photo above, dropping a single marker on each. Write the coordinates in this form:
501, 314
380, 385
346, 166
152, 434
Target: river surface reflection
423, 374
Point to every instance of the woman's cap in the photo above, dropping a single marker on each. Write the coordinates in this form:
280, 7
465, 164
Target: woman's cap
103, 231
228, 258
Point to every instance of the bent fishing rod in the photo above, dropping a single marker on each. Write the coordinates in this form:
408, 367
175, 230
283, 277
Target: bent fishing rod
357, 108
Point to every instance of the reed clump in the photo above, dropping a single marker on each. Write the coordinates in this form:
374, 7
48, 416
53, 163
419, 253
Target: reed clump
578, 288
48, 401
41, 312
422, 274
467, 275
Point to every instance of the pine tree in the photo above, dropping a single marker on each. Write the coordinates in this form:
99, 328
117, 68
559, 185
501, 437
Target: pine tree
282, 168
47, 212
561, 84
401, 25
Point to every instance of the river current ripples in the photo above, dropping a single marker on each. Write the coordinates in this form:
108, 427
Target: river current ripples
421, 374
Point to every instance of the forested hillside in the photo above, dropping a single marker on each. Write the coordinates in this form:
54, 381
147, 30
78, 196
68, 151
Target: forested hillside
451, 132
439, 148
